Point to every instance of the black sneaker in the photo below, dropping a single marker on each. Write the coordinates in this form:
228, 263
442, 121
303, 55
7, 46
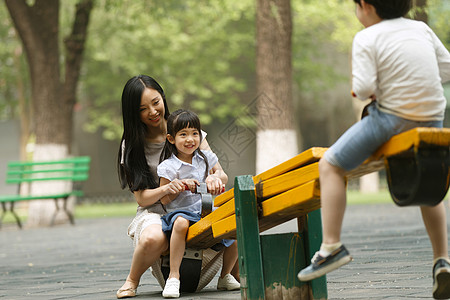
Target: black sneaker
441, 279
321, 265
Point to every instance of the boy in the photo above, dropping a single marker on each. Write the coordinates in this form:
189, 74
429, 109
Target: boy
402, 64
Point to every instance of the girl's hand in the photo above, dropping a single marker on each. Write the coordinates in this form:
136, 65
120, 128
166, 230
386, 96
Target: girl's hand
214, 184
191, 184
174, 187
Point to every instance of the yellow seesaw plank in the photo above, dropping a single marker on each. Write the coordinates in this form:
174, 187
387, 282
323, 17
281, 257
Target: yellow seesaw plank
413, 138
287, 181
276, 210
202, 229
306, 157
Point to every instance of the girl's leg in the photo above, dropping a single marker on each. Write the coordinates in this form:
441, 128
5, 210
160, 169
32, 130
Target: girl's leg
152, 243
333, 201
177, 246
435, 220
230, 256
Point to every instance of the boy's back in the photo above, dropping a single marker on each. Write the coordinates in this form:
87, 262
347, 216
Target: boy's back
402, 62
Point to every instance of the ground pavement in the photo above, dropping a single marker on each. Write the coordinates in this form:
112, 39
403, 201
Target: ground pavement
392, 259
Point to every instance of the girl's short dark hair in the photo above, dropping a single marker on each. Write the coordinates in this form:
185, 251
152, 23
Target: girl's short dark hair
178, 120
389, 9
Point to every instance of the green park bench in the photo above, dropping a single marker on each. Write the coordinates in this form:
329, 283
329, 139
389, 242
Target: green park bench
71, 170
417, 167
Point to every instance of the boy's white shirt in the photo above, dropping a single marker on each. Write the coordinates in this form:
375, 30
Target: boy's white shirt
403, 63
174, 168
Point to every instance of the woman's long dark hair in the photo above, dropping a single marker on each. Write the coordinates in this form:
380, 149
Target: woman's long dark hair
177, 121
134, 172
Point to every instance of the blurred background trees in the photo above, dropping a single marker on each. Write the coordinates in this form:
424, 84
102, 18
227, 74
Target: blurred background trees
204, 53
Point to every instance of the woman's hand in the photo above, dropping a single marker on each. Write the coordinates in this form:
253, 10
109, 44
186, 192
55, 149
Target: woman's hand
191, 184
214, 184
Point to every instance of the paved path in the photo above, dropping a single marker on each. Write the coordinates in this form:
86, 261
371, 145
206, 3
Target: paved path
392, 259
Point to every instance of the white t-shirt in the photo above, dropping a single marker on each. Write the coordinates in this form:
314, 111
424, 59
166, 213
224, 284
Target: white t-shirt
403, 63
174, 168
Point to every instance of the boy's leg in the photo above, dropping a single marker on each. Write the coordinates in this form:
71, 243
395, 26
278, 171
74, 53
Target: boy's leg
333, 201
434, 218
332, 253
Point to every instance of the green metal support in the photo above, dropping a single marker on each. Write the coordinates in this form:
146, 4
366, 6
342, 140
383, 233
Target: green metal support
313, 240
247, 231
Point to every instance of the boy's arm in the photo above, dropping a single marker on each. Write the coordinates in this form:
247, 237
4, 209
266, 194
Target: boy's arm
443, 59
364, 70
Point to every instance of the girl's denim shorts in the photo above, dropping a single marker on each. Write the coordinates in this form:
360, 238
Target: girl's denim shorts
361, 140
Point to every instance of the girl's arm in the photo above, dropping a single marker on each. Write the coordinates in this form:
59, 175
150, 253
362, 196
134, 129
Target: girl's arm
173, 189
148, 197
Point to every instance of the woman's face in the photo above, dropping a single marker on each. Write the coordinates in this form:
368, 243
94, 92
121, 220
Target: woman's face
151, 110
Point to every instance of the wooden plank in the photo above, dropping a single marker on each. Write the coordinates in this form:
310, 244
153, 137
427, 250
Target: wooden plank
276, 210
417, 137
224, 227
306, 157
202, 228
224, 197
295, 202
290, 180
413, 138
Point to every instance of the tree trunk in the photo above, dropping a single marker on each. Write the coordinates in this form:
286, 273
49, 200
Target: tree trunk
52, 98
276, 136
421, 13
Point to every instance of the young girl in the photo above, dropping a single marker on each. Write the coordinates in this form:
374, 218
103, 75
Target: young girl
183, 160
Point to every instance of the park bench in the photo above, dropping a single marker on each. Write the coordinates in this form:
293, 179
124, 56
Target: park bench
66, 171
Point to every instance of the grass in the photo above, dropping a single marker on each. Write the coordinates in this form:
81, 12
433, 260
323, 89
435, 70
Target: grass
128, 209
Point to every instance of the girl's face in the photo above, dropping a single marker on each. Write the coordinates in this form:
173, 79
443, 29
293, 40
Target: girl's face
187, 140
151, 110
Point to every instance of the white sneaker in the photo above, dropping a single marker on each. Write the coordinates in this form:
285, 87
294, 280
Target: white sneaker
229, 283
172, 288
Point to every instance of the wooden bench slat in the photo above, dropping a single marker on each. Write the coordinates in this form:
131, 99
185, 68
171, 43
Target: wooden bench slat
202, 228
290, 180
413, 138
306, 157
276, 210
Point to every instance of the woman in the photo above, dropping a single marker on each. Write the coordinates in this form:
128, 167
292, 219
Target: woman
145, 112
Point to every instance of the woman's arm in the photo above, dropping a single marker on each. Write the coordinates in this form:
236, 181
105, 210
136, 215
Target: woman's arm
217, 178
148, 197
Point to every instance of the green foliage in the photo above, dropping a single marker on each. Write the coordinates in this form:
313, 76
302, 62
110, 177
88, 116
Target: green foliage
12, 67
202, 52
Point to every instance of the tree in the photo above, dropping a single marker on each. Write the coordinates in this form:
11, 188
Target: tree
53, 94
276, 136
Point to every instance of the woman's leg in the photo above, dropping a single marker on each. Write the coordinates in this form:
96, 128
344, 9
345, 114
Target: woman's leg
230, 256
435, 220
152, 243
177, 246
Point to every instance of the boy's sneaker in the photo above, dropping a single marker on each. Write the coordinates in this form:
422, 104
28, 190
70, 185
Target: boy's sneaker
228, 283
172, 288
441, 279
321, 265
